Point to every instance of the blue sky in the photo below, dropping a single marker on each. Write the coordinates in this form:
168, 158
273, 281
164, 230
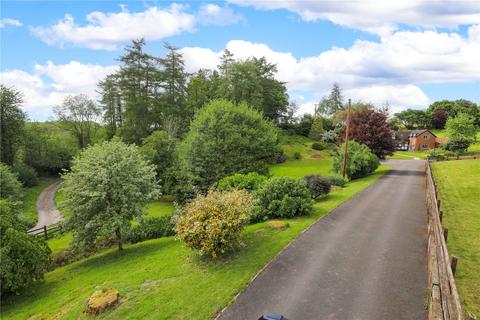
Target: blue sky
376, 54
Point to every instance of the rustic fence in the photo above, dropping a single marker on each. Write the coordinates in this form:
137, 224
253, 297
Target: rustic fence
444, 301
46, 231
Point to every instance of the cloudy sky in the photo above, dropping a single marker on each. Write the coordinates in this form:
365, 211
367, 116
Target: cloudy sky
406, 52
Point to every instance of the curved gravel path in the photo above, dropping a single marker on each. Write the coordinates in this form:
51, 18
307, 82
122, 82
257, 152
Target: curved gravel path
367, 259
47, 211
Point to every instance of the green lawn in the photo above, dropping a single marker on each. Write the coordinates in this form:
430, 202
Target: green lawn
459, 190
299, 168
30, 195
292, 144
408, 155
161, 279
158, 208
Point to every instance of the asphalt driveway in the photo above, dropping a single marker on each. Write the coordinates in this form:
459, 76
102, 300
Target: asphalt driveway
365, 260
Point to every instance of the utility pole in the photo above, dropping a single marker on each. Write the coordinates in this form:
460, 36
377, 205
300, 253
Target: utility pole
347, 132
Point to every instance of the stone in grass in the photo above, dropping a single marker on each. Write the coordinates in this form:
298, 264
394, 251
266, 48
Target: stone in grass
101, 300
278, 224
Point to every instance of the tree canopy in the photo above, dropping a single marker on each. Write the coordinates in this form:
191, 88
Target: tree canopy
224, 139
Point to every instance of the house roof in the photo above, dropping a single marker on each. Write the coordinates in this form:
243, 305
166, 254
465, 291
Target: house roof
410, 133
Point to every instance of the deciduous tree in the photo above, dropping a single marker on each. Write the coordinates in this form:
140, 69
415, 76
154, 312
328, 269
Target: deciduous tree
107, 187
12, 121
79, 115
370, 128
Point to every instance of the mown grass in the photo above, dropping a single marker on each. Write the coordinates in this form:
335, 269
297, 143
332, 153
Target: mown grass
299, 168
28, 213
162, 279
459, 192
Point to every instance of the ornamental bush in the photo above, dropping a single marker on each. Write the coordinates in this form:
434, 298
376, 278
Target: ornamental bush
212, 224
250, 182
337, 180
319, 146
317, 185
151, 228
24, 257
360, 160
225, 138
282, 197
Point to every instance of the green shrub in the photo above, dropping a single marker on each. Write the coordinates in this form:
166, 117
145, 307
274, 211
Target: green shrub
329, 136
317, 185
10, 187
282, 197
213, 223
224, 139
457, 145
436, 154
250, 182
319, 146
337, 180
151, 228
26, 174
360, 161
24, 257
297, 155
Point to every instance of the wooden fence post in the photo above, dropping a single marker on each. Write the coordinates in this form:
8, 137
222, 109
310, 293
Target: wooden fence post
441, 215
454, 265
445, 234
45, 232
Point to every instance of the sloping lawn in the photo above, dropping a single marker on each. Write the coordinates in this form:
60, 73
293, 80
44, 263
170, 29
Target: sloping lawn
158, 208
30, 195
299, 168
161, 279
459, 190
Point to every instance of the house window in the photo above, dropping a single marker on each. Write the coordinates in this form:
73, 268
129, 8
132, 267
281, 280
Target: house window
425, 137
424, 146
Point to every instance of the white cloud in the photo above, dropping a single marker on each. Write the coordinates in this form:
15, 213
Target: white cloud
10, 22
106, 30
212, 14
370, 71
49, 84
379, 17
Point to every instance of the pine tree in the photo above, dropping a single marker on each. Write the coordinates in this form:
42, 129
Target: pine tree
316, 131
174, 83
333, 103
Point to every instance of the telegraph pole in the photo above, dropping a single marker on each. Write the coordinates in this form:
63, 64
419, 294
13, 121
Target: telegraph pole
347, 132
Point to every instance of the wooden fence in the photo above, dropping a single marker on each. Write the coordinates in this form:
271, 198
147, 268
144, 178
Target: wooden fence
46, 231
444, 301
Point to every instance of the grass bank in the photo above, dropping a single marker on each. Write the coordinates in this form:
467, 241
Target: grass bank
162, 279
459, 191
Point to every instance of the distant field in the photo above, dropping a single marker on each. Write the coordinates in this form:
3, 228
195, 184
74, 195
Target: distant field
459, 190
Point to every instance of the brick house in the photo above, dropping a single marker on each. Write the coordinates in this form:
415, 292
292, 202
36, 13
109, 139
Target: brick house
416, 140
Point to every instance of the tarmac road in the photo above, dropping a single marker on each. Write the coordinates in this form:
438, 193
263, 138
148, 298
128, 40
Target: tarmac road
47, 211
366, 260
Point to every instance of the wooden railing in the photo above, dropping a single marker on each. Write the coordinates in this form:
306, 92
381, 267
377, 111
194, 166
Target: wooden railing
444, 301
46, 231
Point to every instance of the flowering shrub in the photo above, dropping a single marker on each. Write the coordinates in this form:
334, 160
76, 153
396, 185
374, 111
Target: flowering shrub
213, 223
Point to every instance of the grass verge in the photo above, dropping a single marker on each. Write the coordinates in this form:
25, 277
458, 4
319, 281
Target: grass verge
459, 190
162, 279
